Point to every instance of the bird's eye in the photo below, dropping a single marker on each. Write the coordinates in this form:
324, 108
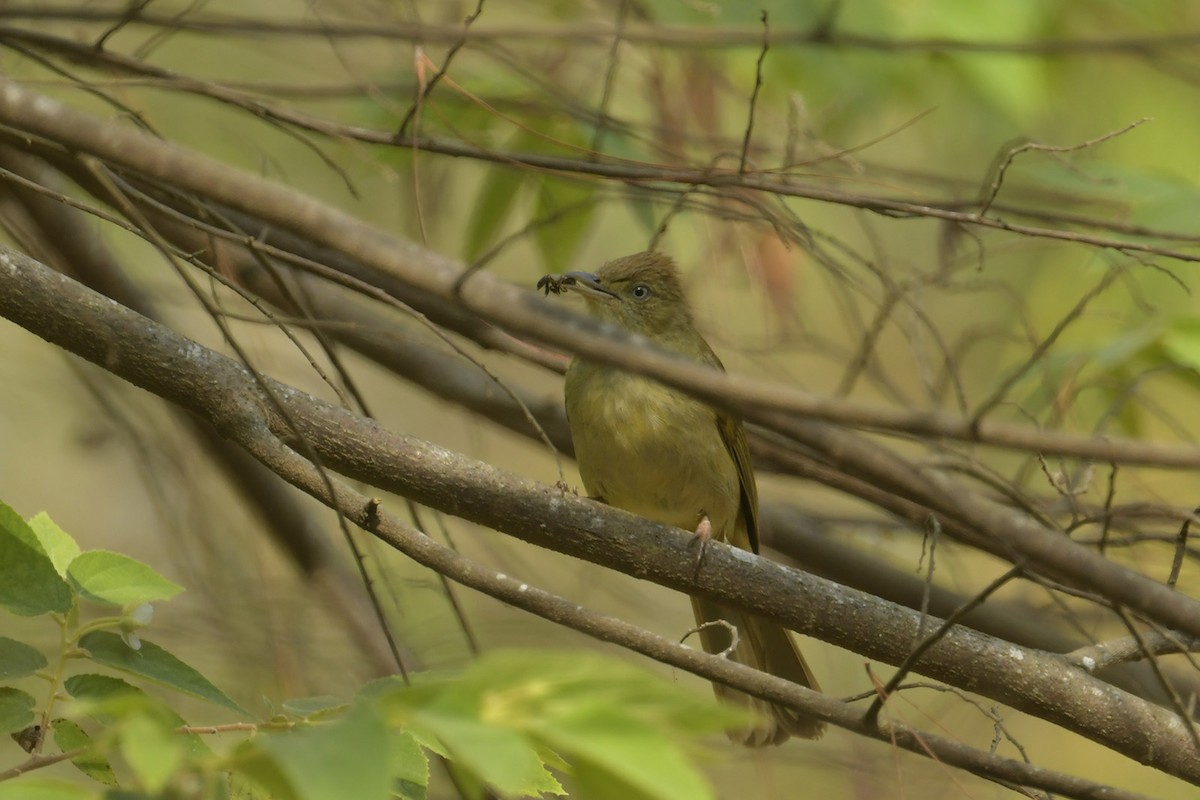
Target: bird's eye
641, 291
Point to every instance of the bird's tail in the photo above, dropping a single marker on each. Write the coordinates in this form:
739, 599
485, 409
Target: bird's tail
768, 647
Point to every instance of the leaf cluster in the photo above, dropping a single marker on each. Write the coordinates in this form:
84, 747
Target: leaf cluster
515, 724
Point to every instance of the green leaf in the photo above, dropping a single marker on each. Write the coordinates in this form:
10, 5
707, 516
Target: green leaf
155, 663
347, 758
43, 789
152, 750
16, 709
509, 714
1181, 342
497, 197
1172, 210
258, 771
539, 685
110, 699
501, 717
444, 713
29, 584
118, 579
69, 736
566, 209
595, 782
95, 688
615, 757
56, 542
243, 787
504, 759
645, 213
410, 767
1129, 188
1016, 85
467, 783
18, 659
313, 706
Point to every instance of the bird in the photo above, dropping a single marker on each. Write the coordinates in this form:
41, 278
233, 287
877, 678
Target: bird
657, 452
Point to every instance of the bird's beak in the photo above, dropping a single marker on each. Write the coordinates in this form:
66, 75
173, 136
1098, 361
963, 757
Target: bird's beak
588, 285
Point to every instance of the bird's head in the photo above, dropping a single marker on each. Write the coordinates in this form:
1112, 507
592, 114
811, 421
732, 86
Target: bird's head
641, 293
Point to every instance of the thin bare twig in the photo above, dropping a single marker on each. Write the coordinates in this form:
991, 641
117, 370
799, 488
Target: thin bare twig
1126, 649
932, 533
425, 87
135, 215
758, 81
1001, 391
906, 666
610, 77
1180, 549
729, 627
1013, 152
1109, 496
1176, 701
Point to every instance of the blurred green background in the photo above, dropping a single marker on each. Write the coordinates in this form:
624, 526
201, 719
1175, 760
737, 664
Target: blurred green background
912, 100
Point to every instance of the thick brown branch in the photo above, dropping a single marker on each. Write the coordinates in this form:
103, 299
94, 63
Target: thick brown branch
422, 549
221, 391
392, 259
362, 327
776, 406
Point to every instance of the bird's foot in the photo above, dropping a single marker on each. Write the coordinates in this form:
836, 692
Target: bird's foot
702, 536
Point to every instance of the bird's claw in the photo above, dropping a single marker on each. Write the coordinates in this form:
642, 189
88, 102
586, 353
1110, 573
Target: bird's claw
702, 536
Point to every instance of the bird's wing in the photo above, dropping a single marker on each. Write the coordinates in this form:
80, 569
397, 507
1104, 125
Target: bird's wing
733, 433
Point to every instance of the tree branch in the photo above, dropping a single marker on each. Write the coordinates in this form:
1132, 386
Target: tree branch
228, 396
784, 409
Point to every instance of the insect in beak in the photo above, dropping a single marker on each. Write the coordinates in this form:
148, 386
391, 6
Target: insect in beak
586, 283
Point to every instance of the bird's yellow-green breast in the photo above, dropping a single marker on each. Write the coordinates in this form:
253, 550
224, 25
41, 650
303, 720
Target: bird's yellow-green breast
650, 450
643, 446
